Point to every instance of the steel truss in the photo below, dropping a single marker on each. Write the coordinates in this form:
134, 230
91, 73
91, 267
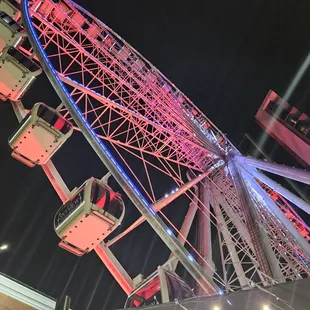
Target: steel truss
140, 115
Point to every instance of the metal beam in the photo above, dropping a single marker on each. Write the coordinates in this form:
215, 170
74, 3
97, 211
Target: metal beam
19, 110
204, 223
163, 285
56, 180
204, 231
299, 175
292, 184
279, 189
116, 269
243, 280
159, 205
186, 226
251, 218
125, 111
280, 215
270, 255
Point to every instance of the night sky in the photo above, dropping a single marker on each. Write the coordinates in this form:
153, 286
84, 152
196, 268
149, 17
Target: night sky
224, 55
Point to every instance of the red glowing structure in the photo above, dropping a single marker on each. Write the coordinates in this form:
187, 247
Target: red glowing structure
288, 126
142, 128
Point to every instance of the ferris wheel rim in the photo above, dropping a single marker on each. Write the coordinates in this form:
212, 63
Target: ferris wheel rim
113, 32
116, 171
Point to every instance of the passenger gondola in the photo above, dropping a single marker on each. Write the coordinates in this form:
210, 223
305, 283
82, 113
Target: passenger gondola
11, 8
17, 73
160, 287
41, 133
88, 217
11, 32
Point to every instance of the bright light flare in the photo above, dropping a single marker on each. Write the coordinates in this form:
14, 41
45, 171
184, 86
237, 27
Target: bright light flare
191, 258
169, 232
266, 307
4, 247
216, 308
289, 91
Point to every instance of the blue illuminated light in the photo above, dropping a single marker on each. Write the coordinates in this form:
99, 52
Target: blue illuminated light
135, 189
221, 292
169, 232
191, 258
229, 302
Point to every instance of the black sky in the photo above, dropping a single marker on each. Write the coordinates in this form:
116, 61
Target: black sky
224, 55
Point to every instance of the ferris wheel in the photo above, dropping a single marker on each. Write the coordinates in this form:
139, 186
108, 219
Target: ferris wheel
143, 128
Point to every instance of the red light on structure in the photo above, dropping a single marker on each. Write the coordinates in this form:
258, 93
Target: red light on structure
290, 128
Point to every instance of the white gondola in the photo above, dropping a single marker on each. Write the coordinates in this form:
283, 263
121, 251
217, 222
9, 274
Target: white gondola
160, 287
94, 30
62, 13
41, 133
11, 32
17, 73
11, 7
88, 217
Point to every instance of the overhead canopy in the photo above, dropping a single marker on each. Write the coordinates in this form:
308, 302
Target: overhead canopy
16, 295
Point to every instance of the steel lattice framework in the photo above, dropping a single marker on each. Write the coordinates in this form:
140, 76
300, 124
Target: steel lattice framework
142, 116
